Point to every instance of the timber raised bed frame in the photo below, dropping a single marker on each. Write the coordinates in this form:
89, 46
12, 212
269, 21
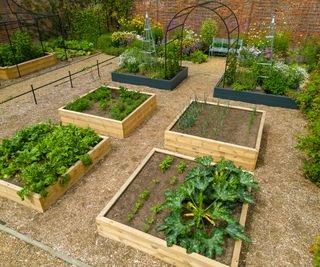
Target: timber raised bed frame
106, 126
11, 72
39, 203
154, 83
195, 146
155, 246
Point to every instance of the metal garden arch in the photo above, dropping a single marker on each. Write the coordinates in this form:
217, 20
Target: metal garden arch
227, 17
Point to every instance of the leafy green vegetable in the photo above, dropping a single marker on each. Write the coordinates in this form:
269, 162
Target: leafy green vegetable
119, 106
145, 194
166, 163
40, 155
181, 167
202, 207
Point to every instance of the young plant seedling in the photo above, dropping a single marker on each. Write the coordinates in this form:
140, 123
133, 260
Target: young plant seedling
155, 181
173, 180
137, 206
181, 167
130, 217
164, 165
252, 117
156, 208
145, 194
151, 220
146, 228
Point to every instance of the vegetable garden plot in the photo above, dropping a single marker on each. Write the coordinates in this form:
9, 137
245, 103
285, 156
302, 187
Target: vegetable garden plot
170, 196
40, 163
222, 131
109, 111
27, 67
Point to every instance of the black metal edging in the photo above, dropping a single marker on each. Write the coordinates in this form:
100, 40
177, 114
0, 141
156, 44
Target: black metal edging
154, 83
98, 65
253, 97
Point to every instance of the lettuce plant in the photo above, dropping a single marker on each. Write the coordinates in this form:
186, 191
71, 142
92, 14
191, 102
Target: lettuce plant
202, 207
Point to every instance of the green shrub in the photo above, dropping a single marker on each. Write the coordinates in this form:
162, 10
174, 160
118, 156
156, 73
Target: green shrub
173, 57
310, 144
88, 23
104, 43
282, 42
22, 49
282, 77
208, 32
199, 57
310, 52
66, 49
245, 80
309, 98
120, 39
157, 32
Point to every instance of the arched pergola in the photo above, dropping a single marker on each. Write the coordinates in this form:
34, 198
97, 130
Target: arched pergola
227, 17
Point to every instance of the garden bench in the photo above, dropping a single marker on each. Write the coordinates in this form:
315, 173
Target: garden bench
220, 46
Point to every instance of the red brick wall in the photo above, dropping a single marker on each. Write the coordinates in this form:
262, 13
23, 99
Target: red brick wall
300, 17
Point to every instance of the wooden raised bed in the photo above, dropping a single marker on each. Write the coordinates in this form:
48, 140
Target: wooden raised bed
151, 244
254, 97
195, 146
39, 203
110, 127
27, 67
154, 83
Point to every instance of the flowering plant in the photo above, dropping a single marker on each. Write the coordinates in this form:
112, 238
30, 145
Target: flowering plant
122, 38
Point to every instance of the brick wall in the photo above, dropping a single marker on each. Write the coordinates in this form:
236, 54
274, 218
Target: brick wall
300, 17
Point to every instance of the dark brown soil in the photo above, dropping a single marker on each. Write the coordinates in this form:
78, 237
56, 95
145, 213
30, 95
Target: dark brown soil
225, 124
125, 203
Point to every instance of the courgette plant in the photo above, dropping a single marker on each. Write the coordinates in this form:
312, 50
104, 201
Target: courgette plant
202, 207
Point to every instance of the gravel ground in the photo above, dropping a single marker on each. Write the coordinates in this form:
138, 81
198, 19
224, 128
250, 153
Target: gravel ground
281, 225
13, 253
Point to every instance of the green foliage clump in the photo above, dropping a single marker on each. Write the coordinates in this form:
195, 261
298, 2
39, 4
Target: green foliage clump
181, 167
131, 59
87, 23
40, 155
282, 77
282, 41
208, 32
66, 49
315, 248
173, 57
310, 52
166, 163
202, 207
245, 80
118, 107
199, 57
189, 117
309, 102
22, 49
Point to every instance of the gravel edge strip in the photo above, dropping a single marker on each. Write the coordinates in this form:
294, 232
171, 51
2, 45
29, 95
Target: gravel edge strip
44, 247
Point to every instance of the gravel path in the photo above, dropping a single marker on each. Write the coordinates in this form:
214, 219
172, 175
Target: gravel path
281, 225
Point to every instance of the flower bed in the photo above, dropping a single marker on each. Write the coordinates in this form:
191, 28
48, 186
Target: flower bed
151, 82
223, 131
109, 111
40, 163
254, 97
140, 213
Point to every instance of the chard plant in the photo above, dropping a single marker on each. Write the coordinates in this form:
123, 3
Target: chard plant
202, 207
173, 180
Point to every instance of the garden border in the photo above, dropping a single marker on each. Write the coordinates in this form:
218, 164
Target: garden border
107, 126
195, 146
55, 191
253, 97
146, 81
27, 67
153, 245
